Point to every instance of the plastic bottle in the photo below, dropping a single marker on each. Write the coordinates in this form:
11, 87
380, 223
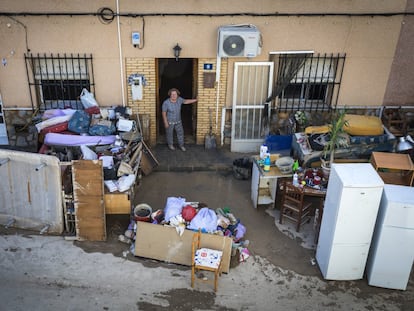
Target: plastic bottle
263, 151
295, 180
295, 166
267, 163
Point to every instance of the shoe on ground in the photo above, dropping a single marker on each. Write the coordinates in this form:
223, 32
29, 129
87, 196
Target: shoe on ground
171, 147
182, 148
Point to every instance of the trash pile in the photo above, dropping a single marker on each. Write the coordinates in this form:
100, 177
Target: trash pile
195, 216
107, 134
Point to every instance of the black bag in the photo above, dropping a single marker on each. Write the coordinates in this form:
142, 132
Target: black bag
242, 168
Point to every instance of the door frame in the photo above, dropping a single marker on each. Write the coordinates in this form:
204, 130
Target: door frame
249, 144
189, 137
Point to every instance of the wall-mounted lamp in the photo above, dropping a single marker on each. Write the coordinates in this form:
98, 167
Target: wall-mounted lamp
177, 49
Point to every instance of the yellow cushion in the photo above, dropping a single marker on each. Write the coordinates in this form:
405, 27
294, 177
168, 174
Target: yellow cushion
317, 129
363, 125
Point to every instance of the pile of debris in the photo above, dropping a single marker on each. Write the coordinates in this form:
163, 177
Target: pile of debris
185, 216
112, 135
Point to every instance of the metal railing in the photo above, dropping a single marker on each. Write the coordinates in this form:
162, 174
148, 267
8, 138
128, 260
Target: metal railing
56, 81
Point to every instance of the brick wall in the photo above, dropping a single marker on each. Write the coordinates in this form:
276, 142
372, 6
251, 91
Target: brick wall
146, 67
207, 97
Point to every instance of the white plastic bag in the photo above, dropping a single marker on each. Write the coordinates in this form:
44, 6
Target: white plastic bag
125, 182
87, 153
87, 99
179, 223
173, 207
111, 185
124, 125
206, 219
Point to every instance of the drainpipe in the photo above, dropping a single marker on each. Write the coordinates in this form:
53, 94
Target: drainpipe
218, 68
121, 63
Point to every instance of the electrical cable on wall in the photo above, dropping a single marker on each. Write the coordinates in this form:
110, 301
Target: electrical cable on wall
25, 31
141, 46
106, 15
109, 15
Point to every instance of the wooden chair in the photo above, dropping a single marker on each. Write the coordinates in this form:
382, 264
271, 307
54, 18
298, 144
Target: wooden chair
205, 259
395, 121
294, 208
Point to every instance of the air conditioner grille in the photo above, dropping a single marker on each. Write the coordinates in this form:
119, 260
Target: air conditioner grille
238, 41
233, 45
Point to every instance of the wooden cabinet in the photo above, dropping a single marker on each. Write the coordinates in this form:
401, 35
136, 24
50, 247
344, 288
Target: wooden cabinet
118, 202
394, 168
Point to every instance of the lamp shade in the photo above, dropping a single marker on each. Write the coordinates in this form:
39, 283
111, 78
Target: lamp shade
403, 145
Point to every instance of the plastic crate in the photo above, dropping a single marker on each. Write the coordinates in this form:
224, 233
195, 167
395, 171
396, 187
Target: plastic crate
277, 143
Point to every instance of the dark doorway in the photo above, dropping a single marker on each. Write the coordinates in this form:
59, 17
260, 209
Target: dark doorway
177, 74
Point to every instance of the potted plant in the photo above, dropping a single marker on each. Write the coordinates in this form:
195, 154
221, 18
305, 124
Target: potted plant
337, 138
301, 121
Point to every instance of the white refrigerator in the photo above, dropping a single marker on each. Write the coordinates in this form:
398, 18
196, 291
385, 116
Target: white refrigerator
392, 249
349, 214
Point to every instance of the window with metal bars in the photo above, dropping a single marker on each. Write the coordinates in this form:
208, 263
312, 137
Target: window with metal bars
56, 81
308, 82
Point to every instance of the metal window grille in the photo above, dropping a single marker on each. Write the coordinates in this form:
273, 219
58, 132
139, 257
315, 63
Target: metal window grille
56, 81
315, 86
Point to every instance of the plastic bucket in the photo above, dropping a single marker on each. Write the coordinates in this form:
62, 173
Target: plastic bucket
142, 212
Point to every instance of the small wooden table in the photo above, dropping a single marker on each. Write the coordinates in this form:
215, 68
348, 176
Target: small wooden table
394, 168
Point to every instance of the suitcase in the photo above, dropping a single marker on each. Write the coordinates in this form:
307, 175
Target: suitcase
57, 128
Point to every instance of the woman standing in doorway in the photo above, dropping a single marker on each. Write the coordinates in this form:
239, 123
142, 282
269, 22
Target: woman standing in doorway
171, 115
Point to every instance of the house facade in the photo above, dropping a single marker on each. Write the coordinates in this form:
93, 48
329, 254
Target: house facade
238, 58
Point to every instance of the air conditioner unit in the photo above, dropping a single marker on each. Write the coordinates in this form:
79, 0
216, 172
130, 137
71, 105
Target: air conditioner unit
238, 41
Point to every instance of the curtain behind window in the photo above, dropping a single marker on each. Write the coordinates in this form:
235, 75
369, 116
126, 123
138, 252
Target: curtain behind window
289, 65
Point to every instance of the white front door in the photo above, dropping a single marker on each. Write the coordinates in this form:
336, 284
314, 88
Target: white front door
4, 140
252, 86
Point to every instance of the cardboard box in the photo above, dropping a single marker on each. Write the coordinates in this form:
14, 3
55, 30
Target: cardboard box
164, 243
117, 203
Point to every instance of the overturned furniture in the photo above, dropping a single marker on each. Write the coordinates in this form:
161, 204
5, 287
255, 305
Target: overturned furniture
30, 191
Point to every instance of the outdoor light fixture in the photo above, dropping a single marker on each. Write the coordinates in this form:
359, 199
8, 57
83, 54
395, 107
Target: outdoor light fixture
177, 49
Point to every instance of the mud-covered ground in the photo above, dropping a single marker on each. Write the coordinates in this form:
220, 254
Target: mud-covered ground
44, 272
